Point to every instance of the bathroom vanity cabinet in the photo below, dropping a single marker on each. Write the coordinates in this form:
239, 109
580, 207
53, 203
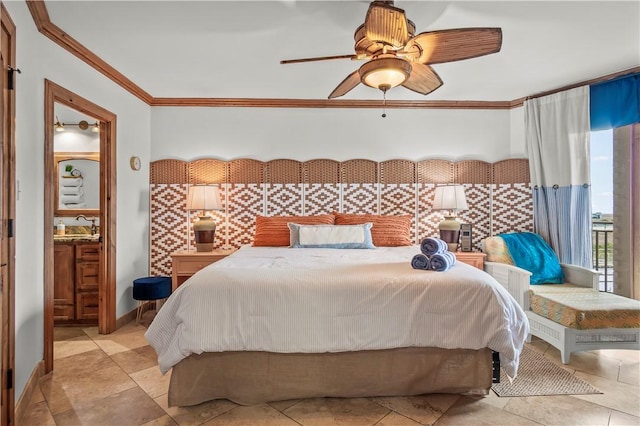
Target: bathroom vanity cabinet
76, 281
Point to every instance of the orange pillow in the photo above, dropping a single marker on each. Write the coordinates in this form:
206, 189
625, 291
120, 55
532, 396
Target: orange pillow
273, 231
387, 230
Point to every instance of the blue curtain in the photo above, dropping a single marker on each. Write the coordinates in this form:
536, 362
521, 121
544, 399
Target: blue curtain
615, 103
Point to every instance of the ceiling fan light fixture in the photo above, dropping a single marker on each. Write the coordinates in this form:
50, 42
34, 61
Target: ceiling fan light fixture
385, 73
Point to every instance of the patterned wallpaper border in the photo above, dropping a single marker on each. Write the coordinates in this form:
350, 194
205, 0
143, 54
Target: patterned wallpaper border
498, 194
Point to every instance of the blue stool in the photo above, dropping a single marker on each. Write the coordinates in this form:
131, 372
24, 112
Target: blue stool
150, 288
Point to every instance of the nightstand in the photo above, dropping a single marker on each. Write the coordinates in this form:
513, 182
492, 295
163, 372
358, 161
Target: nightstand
471, 258
186, 263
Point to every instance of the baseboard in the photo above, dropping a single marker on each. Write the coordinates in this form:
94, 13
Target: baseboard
131, 316
27, 393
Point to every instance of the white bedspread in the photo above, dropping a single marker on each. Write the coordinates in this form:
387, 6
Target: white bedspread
330, 300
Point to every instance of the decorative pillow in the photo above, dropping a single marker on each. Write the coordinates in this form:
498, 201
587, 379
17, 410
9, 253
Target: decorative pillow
529, 251
331, 236
272, 231
496, 250
387, 230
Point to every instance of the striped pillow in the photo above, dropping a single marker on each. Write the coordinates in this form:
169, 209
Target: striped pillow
273, 231
387, 230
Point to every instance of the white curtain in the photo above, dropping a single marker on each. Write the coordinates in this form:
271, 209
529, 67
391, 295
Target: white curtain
557, 138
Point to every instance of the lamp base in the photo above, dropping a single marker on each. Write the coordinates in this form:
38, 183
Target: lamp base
204, 230
450, 232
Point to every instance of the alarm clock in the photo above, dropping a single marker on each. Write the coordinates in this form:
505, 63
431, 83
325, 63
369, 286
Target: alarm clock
76, 173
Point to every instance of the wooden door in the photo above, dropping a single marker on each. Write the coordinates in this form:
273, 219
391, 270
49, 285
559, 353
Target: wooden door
64, 288
7, 212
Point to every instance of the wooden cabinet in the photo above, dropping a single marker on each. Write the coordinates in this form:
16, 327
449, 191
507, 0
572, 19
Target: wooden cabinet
471, 258
186, 263
87, 281
76, 282
64, 288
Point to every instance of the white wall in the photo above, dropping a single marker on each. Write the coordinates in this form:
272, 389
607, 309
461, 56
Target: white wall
339, 134
40, 59
518, 147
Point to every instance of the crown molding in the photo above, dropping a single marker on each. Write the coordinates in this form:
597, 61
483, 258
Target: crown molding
42, 21
41, 18
325, 103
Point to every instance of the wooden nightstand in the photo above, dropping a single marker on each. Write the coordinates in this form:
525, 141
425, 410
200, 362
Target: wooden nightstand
471, 258
186, 263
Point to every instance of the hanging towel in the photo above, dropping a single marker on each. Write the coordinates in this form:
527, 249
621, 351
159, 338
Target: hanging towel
71, 181
420, 261
71, 190
440, 262
430, 246
71, 199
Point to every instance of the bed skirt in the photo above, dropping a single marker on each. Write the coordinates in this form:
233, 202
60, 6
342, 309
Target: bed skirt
249, 378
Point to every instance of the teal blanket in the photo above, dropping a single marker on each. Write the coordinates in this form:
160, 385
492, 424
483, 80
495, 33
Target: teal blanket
529, 251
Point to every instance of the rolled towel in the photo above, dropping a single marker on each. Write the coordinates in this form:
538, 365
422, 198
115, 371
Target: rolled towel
71, 181
420, 261
74, 206
440, 262
71, 199
430, 246
71, 190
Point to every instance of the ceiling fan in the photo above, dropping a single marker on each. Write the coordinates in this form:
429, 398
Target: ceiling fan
395, 56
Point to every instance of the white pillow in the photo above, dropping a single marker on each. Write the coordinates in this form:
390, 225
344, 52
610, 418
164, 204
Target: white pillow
331, 236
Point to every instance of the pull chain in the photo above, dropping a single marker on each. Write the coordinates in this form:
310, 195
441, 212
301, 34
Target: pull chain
384, 104
384, 88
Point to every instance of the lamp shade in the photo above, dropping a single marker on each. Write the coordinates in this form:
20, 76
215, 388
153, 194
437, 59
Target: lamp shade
385, 73
203, 197
450, 197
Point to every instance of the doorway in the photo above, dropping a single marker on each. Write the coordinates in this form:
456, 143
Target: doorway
57, 95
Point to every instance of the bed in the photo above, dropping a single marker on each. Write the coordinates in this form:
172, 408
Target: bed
275, 323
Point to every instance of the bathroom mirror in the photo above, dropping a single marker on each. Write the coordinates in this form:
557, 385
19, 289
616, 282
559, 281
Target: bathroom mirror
78, 182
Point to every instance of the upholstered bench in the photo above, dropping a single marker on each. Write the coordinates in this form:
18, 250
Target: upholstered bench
573, 315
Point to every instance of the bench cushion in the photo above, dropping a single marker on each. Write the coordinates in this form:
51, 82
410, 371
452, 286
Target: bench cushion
584, 308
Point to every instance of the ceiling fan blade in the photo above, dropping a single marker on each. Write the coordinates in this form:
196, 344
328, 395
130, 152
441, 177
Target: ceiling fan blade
423, 79
386, 24
456, 44
347, 84
319, 58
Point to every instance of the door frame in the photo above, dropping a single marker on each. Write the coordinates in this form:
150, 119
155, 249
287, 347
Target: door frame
55, 93
7, 138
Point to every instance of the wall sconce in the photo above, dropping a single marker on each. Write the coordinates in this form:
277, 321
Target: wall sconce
450, 198
58, 125
82, 125
204, 198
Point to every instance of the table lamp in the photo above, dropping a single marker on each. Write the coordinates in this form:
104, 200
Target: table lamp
204, 198
450, 198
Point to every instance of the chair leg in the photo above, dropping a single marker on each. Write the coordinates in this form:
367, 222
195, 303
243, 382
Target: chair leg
139, 311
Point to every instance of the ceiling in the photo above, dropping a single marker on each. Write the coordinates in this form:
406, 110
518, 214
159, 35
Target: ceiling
232, 49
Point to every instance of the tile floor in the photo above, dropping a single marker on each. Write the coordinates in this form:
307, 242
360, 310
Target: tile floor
114, 380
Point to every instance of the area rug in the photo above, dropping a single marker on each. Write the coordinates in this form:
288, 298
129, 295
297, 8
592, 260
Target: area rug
539, 376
